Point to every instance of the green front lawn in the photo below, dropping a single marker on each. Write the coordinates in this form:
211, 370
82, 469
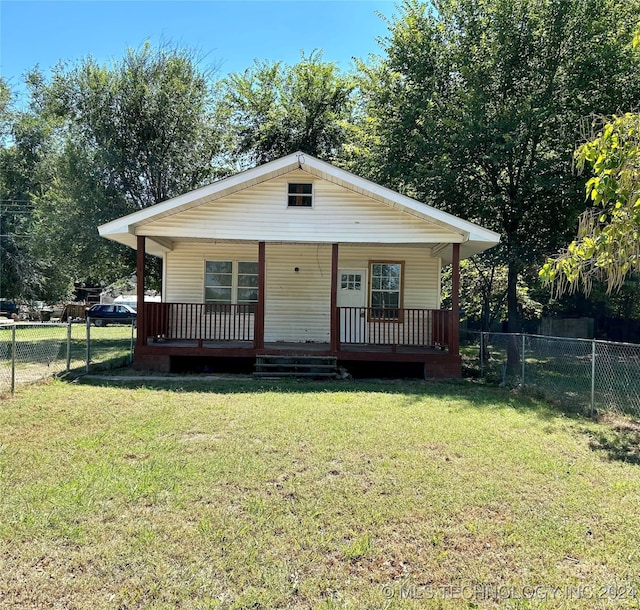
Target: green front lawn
248, 494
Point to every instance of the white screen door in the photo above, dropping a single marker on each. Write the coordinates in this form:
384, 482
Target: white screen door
352, 295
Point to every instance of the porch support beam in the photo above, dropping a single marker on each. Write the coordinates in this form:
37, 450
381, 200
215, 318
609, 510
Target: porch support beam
334, 299
258, 329
141, 333
454, 335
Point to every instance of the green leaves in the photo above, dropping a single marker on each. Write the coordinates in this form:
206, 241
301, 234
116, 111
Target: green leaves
149, 117
274, 109
478, 105
607, 246
103, 141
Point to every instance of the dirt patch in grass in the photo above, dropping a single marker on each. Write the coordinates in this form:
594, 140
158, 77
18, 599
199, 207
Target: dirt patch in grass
619, 439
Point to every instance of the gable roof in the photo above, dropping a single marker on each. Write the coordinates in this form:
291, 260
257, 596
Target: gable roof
473, 238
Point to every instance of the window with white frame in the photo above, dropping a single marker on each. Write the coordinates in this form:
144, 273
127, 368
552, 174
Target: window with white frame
300, 195
231, 282
386, 290
247, 288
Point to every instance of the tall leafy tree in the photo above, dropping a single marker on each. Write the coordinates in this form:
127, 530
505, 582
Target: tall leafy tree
483, 286
25, 145
131, 134
607, 247
10, 198
477, 104
274, 109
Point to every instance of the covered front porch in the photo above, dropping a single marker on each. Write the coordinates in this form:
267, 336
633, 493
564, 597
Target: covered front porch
171, 330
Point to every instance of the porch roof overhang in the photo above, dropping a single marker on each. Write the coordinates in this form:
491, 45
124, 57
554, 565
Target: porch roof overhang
471, 237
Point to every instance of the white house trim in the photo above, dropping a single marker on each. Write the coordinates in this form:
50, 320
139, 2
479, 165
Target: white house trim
455, 230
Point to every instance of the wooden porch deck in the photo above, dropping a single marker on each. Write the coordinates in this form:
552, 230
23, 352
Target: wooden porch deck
283, 347
171, 332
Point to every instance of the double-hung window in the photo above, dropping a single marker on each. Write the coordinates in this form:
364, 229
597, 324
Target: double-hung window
386, 290
218, 282
247, 285
231, 282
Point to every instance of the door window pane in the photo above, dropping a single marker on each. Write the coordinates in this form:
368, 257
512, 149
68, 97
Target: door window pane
350, 281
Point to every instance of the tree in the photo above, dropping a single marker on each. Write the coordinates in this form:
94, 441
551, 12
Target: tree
607, 246
477, 106
129, 135
483, 294
274, 109
25, 144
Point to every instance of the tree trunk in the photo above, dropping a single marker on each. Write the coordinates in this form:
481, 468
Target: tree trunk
485, 328
513, 319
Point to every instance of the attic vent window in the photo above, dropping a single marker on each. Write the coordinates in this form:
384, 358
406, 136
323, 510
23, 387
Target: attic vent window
300, 195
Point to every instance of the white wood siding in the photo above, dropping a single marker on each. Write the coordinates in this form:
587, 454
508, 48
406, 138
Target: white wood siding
184, 270
298, 303
421, 272
261, 213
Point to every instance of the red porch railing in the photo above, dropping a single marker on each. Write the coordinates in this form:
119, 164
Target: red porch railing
356, 325
394, 326
199, 321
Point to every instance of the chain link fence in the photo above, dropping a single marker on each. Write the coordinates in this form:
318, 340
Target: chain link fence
584, 374
33, 351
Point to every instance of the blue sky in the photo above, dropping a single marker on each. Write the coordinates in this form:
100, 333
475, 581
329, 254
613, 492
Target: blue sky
229, 35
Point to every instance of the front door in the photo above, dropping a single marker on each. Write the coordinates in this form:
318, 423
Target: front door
352, 298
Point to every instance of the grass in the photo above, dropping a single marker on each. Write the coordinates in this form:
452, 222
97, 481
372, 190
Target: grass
247, 494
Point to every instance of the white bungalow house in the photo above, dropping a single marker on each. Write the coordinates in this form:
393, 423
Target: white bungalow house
297, 256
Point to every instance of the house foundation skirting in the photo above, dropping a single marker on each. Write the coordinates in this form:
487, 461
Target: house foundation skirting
437, 364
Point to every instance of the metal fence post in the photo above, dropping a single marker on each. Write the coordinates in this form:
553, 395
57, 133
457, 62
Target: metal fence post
69, 344
13, 359
88, 345
593, 376
524, 337
481, 353
133, 325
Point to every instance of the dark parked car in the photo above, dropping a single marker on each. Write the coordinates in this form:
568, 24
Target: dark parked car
101, 315
8, 308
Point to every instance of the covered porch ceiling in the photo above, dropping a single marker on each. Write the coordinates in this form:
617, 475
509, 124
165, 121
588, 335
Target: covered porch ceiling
159, 246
